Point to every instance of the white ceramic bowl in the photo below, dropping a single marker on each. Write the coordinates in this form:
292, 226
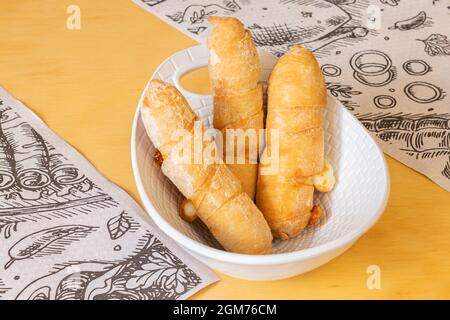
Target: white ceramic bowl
355, 204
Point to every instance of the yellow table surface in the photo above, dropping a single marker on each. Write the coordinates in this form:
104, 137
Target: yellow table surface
85, 85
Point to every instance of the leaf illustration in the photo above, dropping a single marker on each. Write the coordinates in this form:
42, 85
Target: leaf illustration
197, 30
36, 243
161, 271
153, 274
436, 45
176, 17
344, 91
350, 105
118, 226
103, 284
7, 227
199, 17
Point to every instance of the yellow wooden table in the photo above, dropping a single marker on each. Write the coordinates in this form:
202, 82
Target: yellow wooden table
85, 85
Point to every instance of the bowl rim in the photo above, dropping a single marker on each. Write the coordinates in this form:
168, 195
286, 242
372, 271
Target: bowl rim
247, 259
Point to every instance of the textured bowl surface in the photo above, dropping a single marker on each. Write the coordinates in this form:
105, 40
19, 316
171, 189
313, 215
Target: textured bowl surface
354, 205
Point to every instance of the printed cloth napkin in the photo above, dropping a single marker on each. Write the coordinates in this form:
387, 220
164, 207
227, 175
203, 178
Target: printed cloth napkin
387, 61
68, 233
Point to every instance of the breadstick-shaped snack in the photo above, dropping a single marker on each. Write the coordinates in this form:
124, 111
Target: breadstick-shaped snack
234, 70
296, 100
214, 191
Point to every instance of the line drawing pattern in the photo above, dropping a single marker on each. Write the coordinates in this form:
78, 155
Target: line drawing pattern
424, 92
81, 237
121, 224
46, 242
385, 102
373, 68
418, 21
380, 57
154, 274
437, 45
416, 67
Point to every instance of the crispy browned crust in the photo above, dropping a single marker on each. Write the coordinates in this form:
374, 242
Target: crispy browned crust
234, 69
296, 99
216, 193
